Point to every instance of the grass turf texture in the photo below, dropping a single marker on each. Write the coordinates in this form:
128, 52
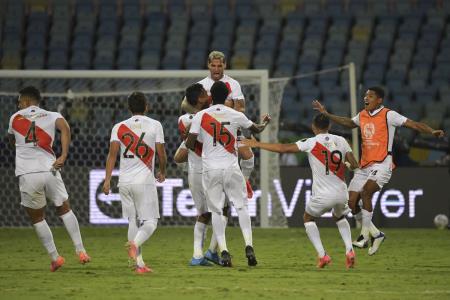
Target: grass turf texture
411, 264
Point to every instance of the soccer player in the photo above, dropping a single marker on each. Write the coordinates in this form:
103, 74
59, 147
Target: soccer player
137, 139
377, 124
197, 96
217, 128
235, 99
327, 154
32, 131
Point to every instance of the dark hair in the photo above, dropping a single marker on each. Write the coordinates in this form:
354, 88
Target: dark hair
321, 121
378, 91
137, 102
193, 93
31, 92
219, 92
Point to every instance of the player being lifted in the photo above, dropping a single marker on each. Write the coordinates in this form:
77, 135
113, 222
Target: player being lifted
377, 124
327, 154
137, 139
197, 97
32, 130
235, 99
216, 127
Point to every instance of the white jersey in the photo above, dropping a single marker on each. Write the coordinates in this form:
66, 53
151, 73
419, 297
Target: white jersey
233, 86
34, 131
194, 157
137, 136
217, 127
326, 155
394, 119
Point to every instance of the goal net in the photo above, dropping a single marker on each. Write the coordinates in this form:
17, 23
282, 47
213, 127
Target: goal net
92, 101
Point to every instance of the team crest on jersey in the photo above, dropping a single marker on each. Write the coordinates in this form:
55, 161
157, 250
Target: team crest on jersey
369, 130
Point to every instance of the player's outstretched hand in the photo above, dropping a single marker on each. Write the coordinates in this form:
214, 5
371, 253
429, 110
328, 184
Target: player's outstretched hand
160, 177
438, 133
106, 187
251, 142
59, 163
266, 119
318, 106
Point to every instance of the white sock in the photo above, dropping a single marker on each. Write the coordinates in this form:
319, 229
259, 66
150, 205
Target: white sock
145, 231
246, 225
247, 166
358, 220
71, 223
373, 230
219, 231
314, 236
132, 231
45, 235
213, 244
199, 237
366, 220
344, 230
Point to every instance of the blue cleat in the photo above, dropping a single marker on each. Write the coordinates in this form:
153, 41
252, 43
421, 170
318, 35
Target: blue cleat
213, 257
200, 262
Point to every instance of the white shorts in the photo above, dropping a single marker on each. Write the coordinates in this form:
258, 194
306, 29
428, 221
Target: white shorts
197, 192
139, 200
35, 188
221, 182
380, 173
318, 206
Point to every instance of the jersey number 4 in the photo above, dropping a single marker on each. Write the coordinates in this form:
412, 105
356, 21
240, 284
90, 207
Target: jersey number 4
30, 137
220, 133
334, 160
139, 145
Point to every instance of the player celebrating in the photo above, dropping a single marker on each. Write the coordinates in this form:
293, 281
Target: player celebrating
137, 139
377, 124
217, 128
197, 97
235, 99
32, 130
327, 154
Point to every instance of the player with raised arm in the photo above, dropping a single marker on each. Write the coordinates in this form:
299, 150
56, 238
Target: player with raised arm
32, 131
137, 139
217, 128
377, 124
328, 154
197, 97
235, 99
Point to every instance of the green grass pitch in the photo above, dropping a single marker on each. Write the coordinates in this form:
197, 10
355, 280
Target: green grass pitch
411, 264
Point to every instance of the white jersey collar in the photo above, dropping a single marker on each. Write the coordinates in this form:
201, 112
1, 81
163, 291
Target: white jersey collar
373, 113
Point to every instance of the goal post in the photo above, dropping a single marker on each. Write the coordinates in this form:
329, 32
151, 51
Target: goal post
94, 88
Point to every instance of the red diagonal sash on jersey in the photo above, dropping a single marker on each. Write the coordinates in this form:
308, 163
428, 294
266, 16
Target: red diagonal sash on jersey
318, 152
43, 139
207, 120
198, 148
182, 129
134, 148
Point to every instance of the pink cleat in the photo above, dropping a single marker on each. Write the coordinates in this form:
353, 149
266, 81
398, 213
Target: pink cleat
132, 250
56, 264
143, 270
249, 189
323, 261
350, 259
83, 257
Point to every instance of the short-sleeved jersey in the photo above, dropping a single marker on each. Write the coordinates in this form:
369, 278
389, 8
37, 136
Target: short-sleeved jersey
233, 86
394, 119
34, 131
194, 157
326, 155
137, 137
217, 127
